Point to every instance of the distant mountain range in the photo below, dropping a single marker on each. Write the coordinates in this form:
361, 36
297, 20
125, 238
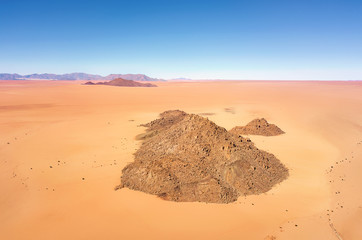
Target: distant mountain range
76, 76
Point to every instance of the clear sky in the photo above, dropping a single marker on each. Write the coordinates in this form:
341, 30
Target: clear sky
253, 39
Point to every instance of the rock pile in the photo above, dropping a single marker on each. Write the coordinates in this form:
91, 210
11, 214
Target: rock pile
188, 158
258, 127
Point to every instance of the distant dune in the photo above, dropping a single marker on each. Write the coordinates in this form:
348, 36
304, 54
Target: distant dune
76, 76
120, 82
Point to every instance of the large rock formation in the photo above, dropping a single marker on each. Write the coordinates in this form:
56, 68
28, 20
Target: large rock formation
119, 82
258, 127
187, 158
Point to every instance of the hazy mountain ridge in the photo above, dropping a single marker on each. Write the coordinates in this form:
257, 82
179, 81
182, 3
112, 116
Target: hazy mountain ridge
76, 76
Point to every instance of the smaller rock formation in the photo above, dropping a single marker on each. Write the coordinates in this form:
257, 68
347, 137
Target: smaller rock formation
258, 127
89, 83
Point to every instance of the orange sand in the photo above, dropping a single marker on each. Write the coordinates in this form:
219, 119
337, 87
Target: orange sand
86, 132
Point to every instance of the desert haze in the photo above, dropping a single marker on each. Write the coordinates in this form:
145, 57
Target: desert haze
64, 145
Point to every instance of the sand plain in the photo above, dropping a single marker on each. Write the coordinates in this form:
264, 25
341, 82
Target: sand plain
63, 146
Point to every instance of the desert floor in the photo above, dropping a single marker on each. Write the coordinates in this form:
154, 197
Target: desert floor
63, 146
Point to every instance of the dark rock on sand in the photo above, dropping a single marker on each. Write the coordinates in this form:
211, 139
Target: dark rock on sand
119, 82
258, 127
188, 158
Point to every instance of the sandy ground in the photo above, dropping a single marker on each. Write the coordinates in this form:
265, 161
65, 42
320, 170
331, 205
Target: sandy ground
63, 146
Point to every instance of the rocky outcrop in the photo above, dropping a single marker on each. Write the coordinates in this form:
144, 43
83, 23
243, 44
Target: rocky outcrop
187, 158
258, 127
119, 82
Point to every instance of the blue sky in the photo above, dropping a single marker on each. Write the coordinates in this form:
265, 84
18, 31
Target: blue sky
262, 39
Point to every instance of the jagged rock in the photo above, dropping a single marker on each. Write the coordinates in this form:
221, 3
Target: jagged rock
188, 158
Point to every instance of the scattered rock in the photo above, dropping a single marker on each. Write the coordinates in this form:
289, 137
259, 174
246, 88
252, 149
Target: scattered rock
229, 110
270, 237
